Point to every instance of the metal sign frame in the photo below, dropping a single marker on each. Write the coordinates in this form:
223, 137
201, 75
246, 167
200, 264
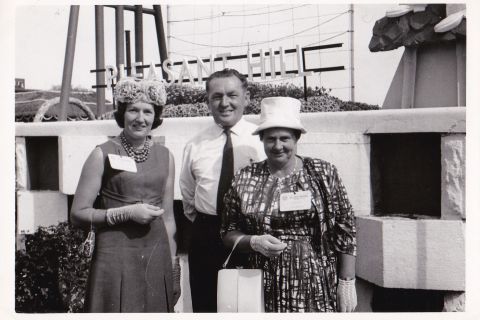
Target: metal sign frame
244, 56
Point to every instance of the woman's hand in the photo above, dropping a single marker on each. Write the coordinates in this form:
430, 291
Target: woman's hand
142, 213
267, 245
346, 295
145, 213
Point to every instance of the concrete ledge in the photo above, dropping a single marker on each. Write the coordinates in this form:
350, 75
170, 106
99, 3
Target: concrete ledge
411, 254
449, 119
339, 148
338, 137
40, 208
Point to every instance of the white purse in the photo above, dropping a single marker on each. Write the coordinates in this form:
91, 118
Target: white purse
240, 290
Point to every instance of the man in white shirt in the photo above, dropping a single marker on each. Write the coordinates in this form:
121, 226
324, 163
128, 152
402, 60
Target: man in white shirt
227, 97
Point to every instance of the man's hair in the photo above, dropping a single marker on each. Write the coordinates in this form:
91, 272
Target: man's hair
226, 73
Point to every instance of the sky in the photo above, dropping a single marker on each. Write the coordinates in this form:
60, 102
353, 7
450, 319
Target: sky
201, 30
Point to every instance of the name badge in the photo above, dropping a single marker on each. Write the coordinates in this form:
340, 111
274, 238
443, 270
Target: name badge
122, 163
300, 200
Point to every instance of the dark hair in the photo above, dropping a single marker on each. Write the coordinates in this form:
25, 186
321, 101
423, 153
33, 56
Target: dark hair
226, 73
296, 133
122, 107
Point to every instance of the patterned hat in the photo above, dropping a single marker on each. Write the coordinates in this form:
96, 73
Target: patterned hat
149, 90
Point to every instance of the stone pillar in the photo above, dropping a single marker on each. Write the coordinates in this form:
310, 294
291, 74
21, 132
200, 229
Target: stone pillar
454, 301
453, 176
22, 182
21, 166
364, 295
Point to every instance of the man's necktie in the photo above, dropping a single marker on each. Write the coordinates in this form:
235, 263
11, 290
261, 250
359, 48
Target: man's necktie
226, 174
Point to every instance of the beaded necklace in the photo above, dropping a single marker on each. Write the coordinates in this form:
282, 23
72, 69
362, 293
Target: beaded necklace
139, 155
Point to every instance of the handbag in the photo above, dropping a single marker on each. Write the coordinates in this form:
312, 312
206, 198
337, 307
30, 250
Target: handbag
88, 246
240, 290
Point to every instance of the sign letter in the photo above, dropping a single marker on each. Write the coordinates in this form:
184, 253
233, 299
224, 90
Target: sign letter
110, 74
260, 64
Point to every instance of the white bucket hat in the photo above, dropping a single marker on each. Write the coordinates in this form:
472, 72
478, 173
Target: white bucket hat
281, 112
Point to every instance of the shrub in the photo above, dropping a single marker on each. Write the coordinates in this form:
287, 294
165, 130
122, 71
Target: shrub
197, 109
262, 90
189, 101
184, 94
50, 274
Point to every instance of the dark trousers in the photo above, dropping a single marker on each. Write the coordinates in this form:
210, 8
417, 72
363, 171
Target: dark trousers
206, 255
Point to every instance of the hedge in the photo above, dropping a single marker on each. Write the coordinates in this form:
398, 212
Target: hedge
50, 274
189, 101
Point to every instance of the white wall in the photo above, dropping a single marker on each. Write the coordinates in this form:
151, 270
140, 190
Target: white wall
420, 248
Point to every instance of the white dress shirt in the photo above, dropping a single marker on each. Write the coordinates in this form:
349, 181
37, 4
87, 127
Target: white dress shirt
202, 163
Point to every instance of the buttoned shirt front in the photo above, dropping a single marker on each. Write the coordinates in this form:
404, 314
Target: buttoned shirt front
202, 162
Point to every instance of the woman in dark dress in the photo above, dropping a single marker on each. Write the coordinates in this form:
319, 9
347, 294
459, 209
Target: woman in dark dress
298, 222
133, 263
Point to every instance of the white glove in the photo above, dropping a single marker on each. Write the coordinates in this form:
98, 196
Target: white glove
142, 213
267, 245
346, 295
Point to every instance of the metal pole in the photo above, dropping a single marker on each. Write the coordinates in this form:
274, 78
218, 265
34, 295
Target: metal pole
162, 46
352, 65
319, 52
100, 58
132, 8
139, 36
304, 77
129, 59
120, 45
68, 63
169, 32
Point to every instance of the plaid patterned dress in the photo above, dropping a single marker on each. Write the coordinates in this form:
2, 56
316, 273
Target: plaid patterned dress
304, 277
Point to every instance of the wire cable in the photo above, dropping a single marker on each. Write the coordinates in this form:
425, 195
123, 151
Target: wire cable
293, 26
233, 15
260, 42
223, 30
243, 10
309, 35
332, 37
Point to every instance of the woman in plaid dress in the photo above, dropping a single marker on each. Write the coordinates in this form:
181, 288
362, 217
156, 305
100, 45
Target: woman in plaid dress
298, 222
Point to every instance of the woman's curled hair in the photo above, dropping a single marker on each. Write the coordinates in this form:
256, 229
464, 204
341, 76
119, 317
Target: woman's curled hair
119, 114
